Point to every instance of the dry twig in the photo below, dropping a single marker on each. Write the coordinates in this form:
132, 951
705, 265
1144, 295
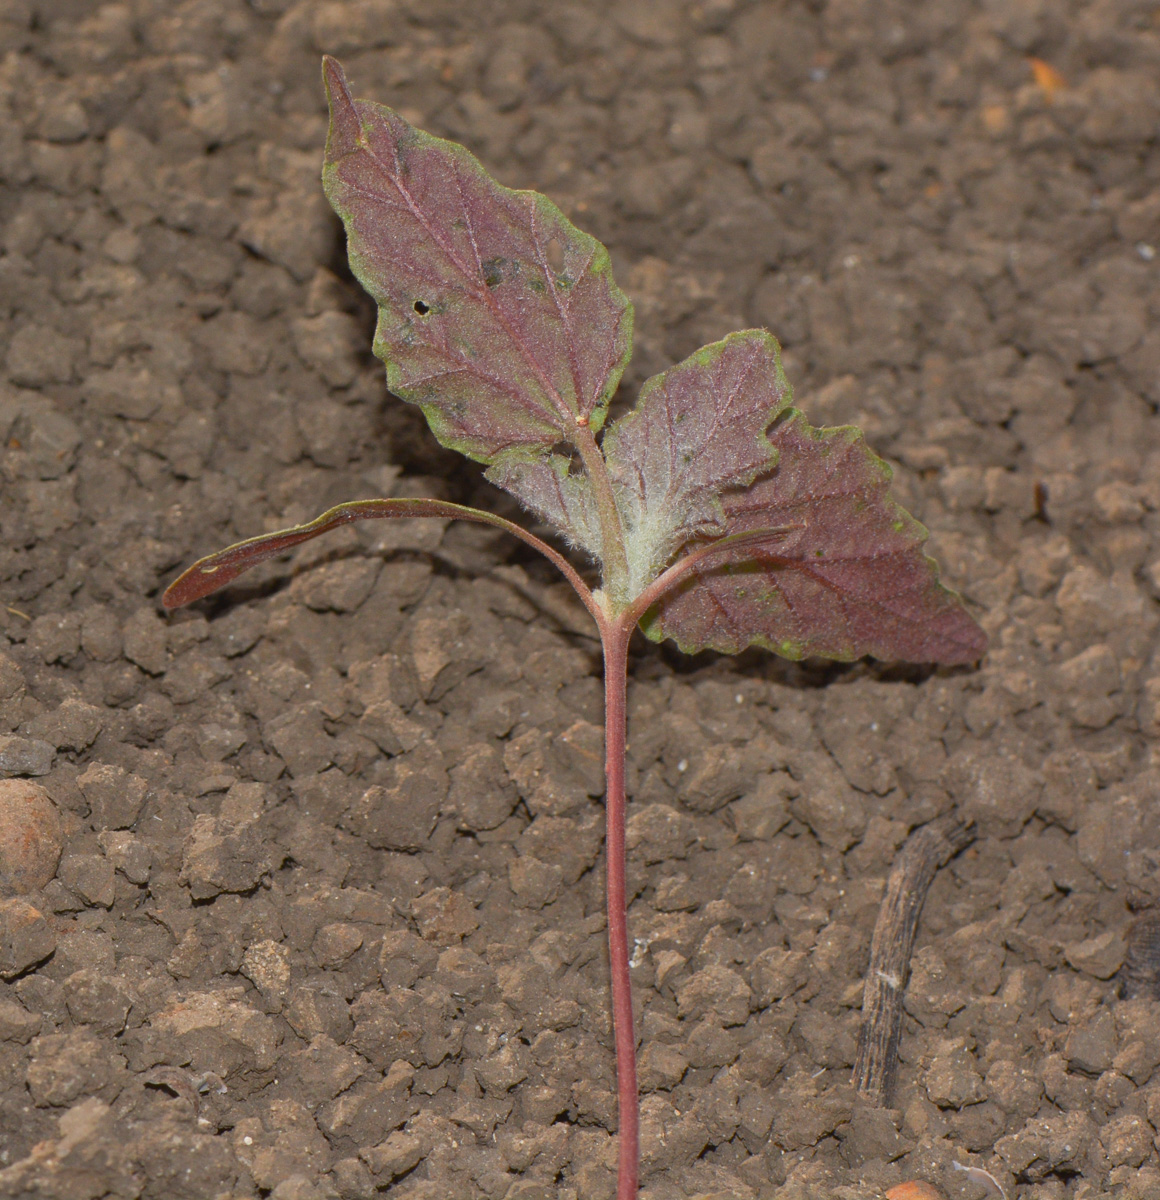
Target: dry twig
925, 851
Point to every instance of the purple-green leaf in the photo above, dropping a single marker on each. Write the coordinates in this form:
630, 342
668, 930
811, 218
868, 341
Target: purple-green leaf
497, 316
213, 572
550, 488
697, 429
850, 579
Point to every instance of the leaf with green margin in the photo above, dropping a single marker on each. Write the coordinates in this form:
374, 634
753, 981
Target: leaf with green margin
696, 430
549, 488
497, 316
850, 580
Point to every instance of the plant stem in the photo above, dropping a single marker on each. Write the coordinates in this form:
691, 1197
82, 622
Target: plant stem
615, 637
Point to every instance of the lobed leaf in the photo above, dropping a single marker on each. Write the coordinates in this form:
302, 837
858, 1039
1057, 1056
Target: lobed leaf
697, 429
849, 579
497, 316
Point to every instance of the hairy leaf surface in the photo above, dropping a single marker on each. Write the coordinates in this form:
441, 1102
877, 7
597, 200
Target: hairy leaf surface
497, 316
697, 429
547, 487
850, 580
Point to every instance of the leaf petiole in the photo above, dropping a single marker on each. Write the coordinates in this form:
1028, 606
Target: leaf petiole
214, 571
669, 578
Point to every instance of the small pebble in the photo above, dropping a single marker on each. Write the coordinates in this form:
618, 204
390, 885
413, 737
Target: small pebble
915, 1189
25, 937
25, 756
30, 837
1100, 956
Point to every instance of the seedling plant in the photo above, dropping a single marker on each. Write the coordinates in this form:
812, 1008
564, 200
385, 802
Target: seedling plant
715, 514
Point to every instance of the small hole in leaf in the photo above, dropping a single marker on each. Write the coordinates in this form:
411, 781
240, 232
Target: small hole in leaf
554, 253
421, 308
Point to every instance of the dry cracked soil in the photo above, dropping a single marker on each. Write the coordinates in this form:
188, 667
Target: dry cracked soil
304, 886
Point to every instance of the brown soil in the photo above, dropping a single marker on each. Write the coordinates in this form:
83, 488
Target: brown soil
328, 917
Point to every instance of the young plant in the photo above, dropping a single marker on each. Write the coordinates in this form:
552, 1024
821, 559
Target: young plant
715, 513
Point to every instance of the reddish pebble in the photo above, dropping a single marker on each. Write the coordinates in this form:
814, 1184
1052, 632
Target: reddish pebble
30, 837
916, 1189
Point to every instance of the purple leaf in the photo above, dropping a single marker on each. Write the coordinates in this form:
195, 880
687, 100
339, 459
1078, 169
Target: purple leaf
850, 580
213, 572
549, 488
697, 429
497, 316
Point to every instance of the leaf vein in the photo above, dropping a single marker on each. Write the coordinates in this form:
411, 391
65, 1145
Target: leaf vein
484, 295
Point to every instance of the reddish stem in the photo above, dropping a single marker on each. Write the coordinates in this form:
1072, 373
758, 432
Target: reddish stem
209, 574
615, 635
